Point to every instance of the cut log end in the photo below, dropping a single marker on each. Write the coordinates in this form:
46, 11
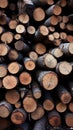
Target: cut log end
7, 37
50, 61
20, 29
18, 116
69, 119
33, 55
29, 65
3, 3
40, 48
25, 78
65, 68
24, 18
50, 81
29, 104
57, 10
44, 30
70, 106
48, 105
10, 82
13, 68
60, 107
38, 16
13, 55
3, 49
3, 71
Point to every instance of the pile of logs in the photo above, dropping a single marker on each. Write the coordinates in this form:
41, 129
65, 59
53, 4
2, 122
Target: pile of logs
36, 64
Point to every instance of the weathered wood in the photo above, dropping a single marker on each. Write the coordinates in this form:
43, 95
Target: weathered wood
47, 79
4, 49
18, 116
33, 55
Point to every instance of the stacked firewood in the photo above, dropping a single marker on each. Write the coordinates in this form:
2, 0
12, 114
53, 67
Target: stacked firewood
36, 64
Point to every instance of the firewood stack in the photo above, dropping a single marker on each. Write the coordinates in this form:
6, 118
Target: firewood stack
36, 64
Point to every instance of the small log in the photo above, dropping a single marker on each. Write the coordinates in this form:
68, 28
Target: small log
13, 55
33, 55
48, 103
54, 118
69, 119
63, 36
4, 123
3, 70
38, 14
60, 18
4, 49
62, 26
18, 116
56, 35
12, 96
40, 48
20, 28
36, 91
51, 21
60, 107
7, 37
64, 68
29, 103
10, 82
25, 78
41, 33
67, 48
64, 94
51, 29
23, 18
47, 79
29, 64
21, 46
12, 24
14, 67
17, 37
31, 31
40, 124
5, 109
70, 106
56, 52
54, 10
47, 61
38, 113
3, 4
17, 104
23, 92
